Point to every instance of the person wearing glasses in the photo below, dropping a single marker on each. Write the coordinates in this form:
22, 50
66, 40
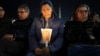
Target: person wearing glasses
21, 28
78, 32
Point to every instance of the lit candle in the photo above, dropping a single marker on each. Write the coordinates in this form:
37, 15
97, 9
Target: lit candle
46, 35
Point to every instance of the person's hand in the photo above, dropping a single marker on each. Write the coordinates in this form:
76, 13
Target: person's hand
9, 37
46, 50
38, 51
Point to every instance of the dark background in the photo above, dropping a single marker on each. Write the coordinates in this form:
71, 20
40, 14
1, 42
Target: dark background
67, 6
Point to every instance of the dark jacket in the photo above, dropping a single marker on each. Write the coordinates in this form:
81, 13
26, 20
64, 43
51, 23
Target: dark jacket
56, 38
78, 32
21, 29
5, 26
96, 32
54, 23
6, 45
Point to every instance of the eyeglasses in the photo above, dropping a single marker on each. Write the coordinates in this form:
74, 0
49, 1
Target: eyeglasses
22, 11
83, 11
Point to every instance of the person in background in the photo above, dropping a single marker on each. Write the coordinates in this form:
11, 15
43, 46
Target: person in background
47, 19
73, 28
21, 28
6, 34
96, 20
79, 33
5, 23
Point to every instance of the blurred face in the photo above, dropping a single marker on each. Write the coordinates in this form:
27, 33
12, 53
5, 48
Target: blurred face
82, 14
22, 14
46, 11
2, 12
96, 18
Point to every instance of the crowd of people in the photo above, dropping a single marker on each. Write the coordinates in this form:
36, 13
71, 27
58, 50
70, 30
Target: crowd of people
23, 37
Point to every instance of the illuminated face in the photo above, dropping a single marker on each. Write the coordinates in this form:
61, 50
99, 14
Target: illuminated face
2, 12
46, 11
82, 14
22, 14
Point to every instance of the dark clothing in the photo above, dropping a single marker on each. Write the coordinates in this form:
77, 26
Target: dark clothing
5, 26
21, 30
78, 32
6, 46
35, 35
84, 50
79, 38
57, 34
96, 32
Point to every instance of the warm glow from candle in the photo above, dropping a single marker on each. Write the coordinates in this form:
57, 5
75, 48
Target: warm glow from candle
46, 34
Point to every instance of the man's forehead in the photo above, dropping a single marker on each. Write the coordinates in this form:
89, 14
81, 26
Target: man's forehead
82, 8
21, 9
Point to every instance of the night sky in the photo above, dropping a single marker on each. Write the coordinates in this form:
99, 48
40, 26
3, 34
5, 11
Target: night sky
67, 6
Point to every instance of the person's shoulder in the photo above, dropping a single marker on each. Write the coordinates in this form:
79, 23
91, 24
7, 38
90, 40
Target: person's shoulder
7, 18
30, 18
37, 19
58, 19
70, 23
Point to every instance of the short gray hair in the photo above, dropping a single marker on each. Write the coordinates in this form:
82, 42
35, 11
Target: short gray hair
25, 7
